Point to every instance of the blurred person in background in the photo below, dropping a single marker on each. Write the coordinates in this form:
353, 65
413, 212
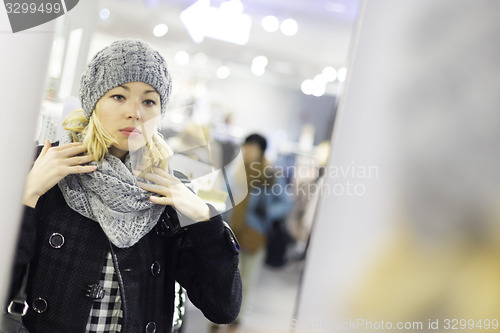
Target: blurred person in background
251, 220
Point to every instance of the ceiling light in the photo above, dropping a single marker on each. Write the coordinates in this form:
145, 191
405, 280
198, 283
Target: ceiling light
226, 23
320, 80
318, 90
182, 57
329, 73
270, 23
307, 86
104, 14
160, 30
223, 72
342, 74
289, 27
319, 85
260, 61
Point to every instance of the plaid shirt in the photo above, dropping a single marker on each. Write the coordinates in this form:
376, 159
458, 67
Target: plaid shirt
106, 315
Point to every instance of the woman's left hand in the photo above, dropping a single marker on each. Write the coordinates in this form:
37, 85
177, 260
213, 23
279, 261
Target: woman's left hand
173, 192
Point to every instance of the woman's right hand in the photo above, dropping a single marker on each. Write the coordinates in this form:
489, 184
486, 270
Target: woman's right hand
52, 165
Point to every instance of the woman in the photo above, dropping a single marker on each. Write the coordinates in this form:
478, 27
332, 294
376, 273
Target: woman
107, 229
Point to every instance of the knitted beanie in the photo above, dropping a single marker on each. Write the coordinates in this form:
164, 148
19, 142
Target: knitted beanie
122, 62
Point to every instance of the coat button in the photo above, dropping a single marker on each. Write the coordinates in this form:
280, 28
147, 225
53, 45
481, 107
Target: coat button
39, 305
155, 268
151, 327
56, 240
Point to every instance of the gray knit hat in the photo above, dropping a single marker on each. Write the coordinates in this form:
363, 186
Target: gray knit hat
122, 62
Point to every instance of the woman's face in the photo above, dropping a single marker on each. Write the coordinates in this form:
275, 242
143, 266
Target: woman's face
131, 113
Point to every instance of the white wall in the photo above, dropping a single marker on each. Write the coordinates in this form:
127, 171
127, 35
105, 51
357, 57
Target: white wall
23, 64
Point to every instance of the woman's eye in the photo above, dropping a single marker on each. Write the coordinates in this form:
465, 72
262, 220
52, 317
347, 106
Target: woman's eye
118, 97
150, 102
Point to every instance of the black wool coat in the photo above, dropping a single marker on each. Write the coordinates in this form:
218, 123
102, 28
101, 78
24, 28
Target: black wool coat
67, 251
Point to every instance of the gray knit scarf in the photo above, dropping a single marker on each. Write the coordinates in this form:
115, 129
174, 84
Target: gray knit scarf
110, 196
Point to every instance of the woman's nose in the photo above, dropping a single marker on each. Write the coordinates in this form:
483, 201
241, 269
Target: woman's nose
134, 110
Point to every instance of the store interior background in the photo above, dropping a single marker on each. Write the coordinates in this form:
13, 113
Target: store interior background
215, 76
283, 82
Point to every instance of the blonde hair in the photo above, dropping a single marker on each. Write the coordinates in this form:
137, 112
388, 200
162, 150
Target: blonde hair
155, 154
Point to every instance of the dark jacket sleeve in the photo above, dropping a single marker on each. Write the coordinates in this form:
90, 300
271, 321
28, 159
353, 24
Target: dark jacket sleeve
207, 268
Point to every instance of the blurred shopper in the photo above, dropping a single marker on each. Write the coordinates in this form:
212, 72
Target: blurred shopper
251, 220
101, 244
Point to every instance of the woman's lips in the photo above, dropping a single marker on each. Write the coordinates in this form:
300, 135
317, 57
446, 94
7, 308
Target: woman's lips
130, 131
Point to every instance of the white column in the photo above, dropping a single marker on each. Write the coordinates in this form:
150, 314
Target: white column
23, 66
421, 106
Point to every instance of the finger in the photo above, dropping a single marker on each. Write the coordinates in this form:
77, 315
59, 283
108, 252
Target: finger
162, 190
160, 172
66, 146
159, 180
165, 174
73, 150
45, 148
82, 169
77, 160
136, 172
172, 180
161, 200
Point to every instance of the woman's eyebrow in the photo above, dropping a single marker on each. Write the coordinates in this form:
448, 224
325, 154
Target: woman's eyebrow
144, 92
